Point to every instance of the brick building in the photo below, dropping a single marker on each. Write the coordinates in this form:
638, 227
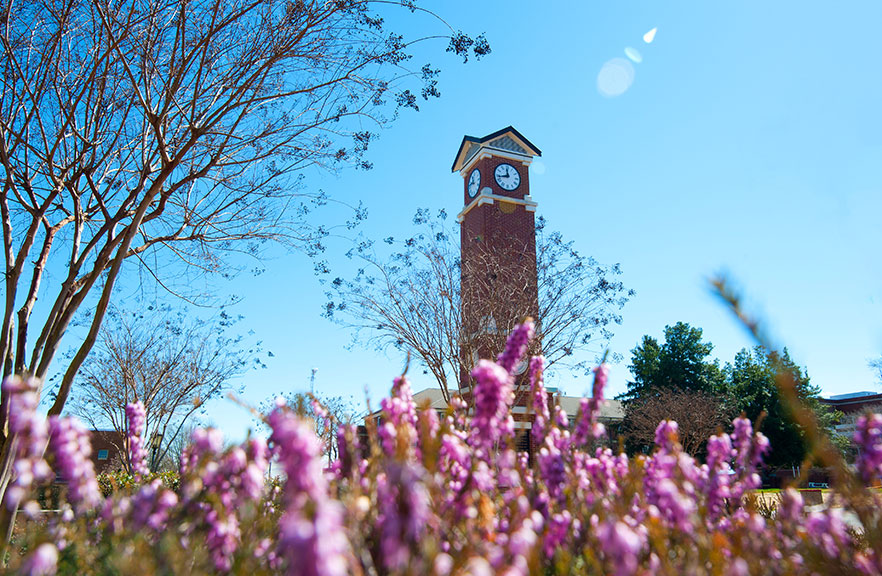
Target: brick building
108, 450
499, 285
853, 405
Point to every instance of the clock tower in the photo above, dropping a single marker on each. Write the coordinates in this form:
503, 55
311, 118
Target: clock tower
498, 248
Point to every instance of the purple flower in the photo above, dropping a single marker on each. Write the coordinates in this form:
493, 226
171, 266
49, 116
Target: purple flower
314, 545
42, 562
521, 544
601, 376
666, 435
151, 505
203, 442
587, 426
868, 438
749, 449
429, 422
475, 506
557, 531
29, 434
252, 479
399, 418
552, 468
671, 479
70, 448
493, 398
343, 466
540, 400
404, 513
222, 538
791, 508
318, 409
136, 416
622, 545
516, 346
719, 453
675, 506
215, 486
454, 462
596, 476
312, 536
828, 531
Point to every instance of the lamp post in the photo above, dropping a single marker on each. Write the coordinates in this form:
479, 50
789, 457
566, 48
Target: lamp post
155, 445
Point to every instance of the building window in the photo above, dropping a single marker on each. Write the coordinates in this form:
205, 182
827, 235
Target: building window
103, 454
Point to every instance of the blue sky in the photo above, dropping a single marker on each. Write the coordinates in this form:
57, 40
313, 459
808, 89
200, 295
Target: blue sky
750, 141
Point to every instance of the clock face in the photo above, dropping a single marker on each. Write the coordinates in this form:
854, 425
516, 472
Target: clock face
507, 177
474, 182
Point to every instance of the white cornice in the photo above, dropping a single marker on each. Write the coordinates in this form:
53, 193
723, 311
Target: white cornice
488, 152
489, 198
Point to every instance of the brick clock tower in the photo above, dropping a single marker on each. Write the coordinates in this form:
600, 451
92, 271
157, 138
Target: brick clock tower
498, 247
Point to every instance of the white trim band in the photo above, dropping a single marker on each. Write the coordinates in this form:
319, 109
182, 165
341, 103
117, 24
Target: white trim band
489, 198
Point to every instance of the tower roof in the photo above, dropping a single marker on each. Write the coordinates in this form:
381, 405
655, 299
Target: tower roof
508, 139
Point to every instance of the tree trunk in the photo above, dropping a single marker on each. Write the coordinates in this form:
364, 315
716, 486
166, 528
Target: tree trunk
7, 516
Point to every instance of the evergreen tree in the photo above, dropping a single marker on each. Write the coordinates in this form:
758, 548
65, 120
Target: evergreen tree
751, 380
681, 363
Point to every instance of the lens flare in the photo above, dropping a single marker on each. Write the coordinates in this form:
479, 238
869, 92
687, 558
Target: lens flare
633, 55
615, 77
650, 36
538, 167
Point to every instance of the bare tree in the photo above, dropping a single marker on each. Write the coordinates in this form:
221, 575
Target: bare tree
170, 363
411, 299
174, 453
170, 133
698, 414
326, 413
876, 366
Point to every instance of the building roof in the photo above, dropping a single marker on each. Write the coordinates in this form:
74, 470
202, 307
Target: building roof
854, 402
434, 397
507, 139
610, 410
851, 395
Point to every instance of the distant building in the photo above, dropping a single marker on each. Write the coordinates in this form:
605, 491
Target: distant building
108, 450
853, 405
108, 455
499, 278
611, 411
